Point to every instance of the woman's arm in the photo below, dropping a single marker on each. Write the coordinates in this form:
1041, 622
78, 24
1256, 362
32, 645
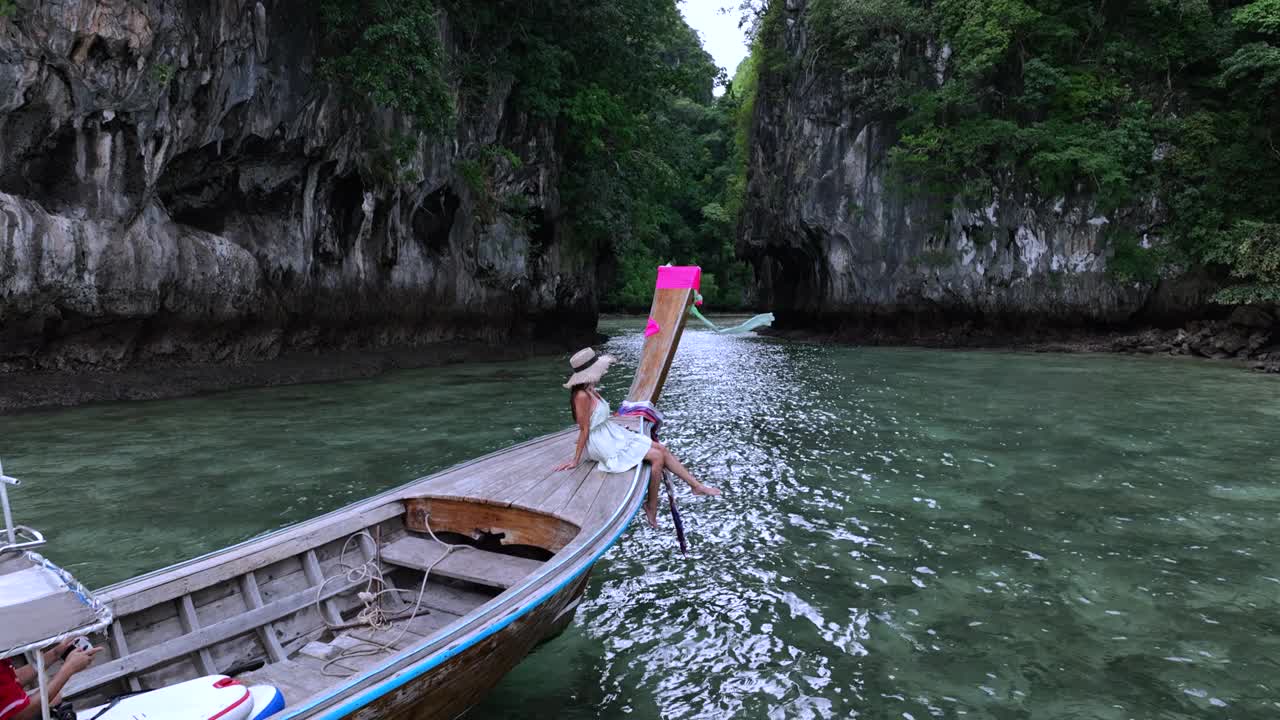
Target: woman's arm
27, 673
582, 405
78, 660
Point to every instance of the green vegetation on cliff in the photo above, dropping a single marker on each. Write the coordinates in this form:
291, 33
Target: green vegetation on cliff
1166, 104
648, 151
390, 53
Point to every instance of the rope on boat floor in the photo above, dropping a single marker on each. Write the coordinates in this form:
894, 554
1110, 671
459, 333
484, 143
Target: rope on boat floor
373, 615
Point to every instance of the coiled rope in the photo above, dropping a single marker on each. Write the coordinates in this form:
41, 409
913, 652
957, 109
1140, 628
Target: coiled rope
373, 615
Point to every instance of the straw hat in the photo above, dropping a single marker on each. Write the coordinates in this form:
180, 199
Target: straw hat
588, 367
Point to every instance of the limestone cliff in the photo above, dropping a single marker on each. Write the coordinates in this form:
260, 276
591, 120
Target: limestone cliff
178, 184
837, 243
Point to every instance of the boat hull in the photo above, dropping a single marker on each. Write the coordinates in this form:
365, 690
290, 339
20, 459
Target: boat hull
278, 608
459, 683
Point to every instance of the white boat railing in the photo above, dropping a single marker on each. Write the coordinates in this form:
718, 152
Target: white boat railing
21, 539
32, 538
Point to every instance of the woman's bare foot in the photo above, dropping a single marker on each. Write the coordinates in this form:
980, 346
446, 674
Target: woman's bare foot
704, 489
651, 515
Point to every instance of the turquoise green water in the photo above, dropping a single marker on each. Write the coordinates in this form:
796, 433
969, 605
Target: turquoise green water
904, 533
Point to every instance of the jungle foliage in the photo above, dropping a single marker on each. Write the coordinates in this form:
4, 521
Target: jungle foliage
648, 151
1125, 101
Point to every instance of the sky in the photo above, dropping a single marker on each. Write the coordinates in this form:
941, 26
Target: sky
719, 31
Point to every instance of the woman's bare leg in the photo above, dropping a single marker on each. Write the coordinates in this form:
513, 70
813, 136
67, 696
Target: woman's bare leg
671, 461
655, 456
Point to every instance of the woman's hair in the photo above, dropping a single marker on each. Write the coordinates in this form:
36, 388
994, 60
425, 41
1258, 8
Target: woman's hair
573, 393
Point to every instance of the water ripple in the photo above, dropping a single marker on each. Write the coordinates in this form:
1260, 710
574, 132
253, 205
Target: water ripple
917, 534
903, 534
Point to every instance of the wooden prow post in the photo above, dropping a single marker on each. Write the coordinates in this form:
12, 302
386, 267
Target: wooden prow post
672, 297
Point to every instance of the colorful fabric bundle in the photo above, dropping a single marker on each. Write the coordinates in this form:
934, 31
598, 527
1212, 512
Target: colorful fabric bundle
645, 410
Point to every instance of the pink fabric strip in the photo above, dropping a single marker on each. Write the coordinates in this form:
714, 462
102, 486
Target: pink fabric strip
675, 278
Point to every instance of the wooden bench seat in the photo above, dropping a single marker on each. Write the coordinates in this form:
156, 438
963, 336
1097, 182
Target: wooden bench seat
469, 564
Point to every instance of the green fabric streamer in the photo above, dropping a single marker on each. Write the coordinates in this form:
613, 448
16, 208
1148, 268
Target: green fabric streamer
751, 324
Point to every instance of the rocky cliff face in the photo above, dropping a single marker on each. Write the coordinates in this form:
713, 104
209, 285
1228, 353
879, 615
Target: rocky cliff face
178, 185
836, 244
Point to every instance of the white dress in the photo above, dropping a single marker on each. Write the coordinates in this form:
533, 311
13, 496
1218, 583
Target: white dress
614, 447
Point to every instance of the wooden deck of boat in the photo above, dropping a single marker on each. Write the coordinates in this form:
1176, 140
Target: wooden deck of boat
585, 501
524, 477
286, 600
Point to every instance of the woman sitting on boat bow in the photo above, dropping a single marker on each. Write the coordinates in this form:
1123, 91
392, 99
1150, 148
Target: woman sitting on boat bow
613, 447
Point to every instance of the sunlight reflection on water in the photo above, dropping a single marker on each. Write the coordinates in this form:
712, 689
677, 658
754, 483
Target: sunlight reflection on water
921, 534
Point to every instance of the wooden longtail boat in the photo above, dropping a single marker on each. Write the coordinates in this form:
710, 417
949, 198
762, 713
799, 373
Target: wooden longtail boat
286, 609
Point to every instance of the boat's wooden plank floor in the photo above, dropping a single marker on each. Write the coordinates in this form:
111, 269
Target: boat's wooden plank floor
524, 477
355, 650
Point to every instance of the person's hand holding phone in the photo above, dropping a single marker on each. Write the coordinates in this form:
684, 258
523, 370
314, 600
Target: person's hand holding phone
79, 658
66, 647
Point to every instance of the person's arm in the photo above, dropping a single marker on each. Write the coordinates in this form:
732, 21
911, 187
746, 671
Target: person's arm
582, 405
78, 660
27, 673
